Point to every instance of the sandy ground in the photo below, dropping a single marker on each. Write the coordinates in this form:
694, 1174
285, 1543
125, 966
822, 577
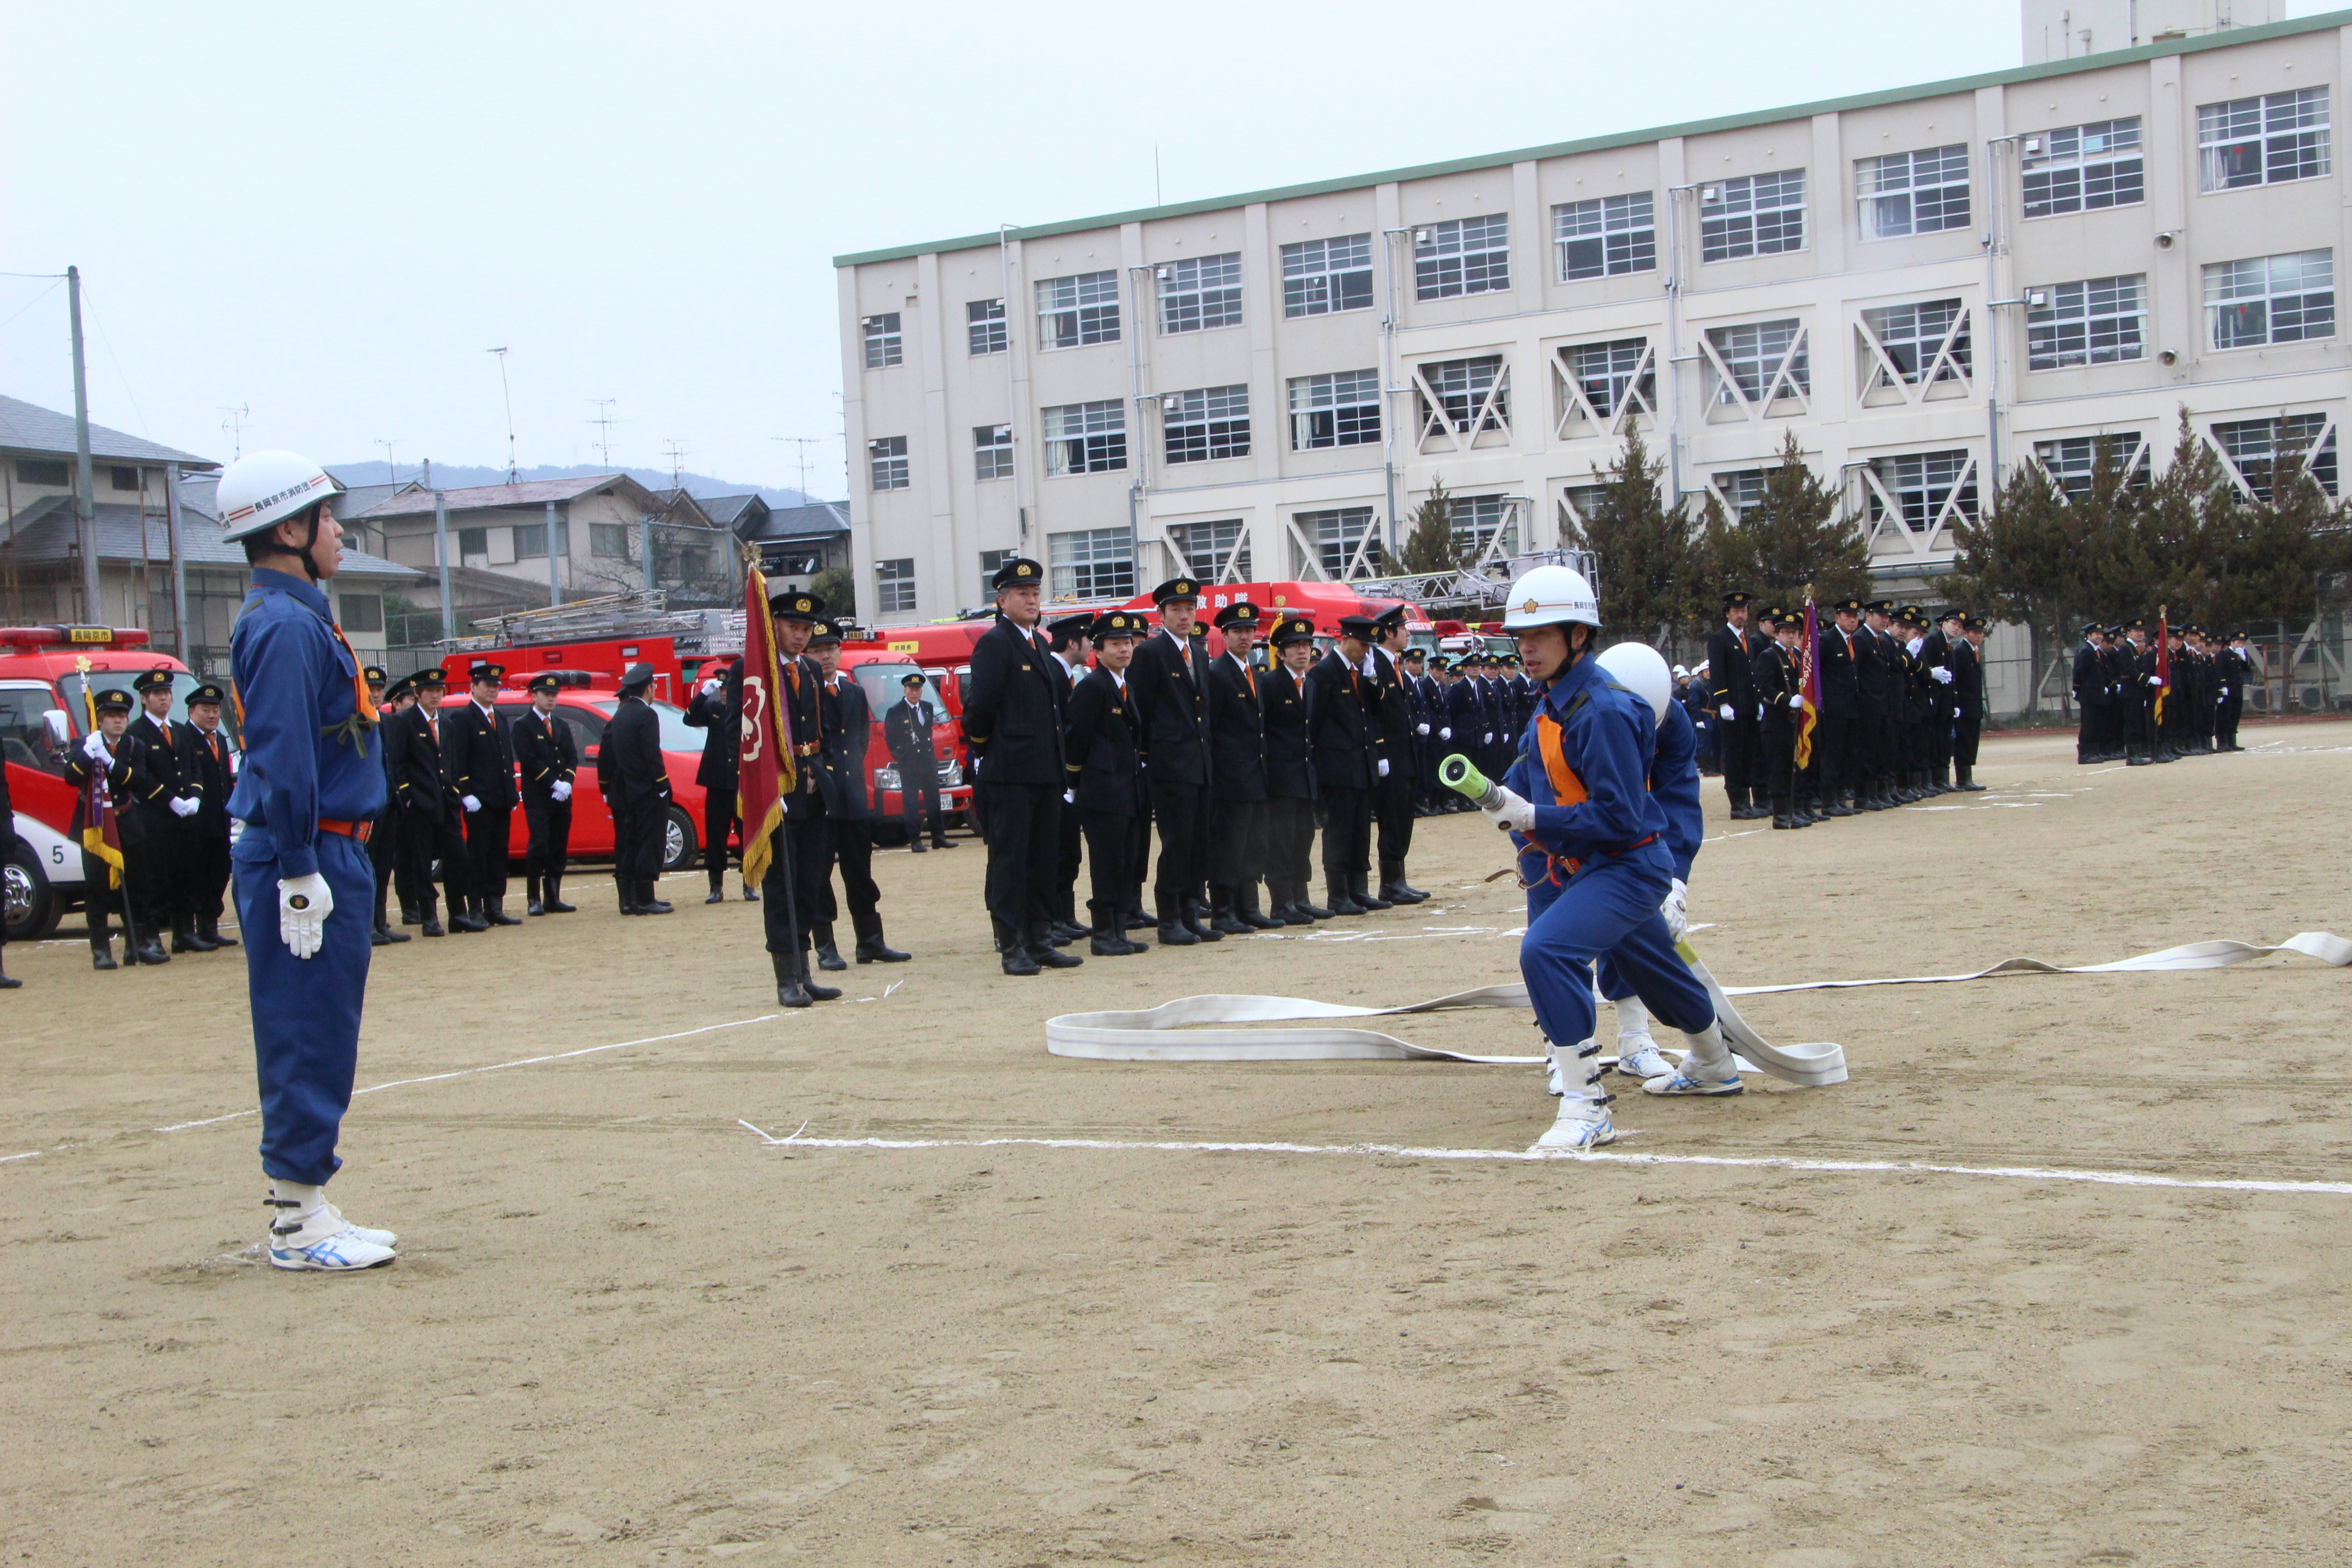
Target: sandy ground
623, 1330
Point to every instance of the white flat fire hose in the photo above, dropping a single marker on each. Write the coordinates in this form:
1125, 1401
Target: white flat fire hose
1153, 1034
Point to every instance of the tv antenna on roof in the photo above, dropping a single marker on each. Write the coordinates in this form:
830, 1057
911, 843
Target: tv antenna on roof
233, 428
804, 443
391, 474
676, 455
604, 423
508, 394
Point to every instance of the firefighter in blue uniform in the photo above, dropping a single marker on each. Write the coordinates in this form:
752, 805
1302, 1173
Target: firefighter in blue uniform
1578, 804
310, 784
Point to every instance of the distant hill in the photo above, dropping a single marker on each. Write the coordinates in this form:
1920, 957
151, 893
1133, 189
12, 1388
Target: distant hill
458, 477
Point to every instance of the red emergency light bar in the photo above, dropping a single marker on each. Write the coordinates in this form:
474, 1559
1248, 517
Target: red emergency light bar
73, 637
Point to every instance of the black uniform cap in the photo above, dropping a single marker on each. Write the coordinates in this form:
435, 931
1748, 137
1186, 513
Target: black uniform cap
824, 632
1881, 606
152, 681
485, 671
2090, 627
430, 675
1414, 653
1069, 629
544, 683
1242, 614
1175, 589
1733, 601
208, 692
638, 677
1291, 630
112, 699
1118, 624
403, 687
1018, 572
373, 675
796, 605
1973, 624
1847, 606
1363, 628
1390, 619
914, 679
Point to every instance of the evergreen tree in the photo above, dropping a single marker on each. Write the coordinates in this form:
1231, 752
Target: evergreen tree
1795, 538
1648, 559
1431, 546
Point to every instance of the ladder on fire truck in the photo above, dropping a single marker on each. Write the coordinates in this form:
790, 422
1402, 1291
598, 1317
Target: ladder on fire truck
638, 614
1468, 594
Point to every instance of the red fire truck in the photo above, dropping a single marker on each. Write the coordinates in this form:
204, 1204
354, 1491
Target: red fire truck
43, 715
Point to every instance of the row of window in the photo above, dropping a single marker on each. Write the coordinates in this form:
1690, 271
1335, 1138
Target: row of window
2080, 168
2256, 302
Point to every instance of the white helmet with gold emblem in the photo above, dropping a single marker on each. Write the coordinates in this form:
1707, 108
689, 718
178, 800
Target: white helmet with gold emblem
1550, 597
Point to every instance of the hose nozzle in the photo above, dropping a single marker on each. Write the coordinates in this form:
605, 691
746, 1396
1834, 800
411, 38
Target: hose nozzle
1456, 775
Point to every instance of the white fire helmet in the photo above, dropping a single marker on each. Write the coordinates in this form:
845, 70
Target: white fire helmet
1642, 670
1550, 597
259, 492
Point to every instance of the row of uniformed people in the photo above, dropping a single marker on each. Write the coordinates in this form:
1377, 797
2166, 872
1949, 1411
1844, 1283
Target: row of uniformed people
1901, 708
2132, 711
1232, 763
167, 783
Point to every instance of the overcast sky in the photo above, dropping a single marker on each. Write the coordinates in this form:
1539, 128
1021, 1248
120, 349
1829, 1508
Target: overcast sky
327, 214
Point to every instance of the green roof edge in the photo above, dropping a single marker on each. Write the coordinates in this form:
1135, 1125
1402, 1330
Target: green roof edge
2227, 38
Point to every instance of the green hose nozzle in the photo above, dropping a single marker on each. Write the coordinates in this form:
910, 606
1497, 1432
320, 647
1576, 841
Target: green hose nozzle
1456, 775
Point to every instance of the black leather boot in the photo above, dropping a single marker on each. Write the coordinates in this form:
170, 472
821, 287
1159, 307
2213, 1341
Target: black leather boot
647, 904
872, 949
1364, 896
429, 917
1342, 899
494, 911
7, 984
1245, 910
554, 898
532, 904
828, 957
1110, 941
1042, 948
1014, 953
1196, 920
149, 949
808, 981
211, 932
1175, 931
463, 918
717, 893
101, 955
790, 992
1222, 919
185, 937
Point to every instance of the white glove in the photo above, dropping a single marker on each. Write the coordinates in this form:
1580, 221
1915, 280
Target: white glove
1676, 908
1796, 700
1514, 814
470, 803
1728, 712
1942, 674
185, 806
713, 684
2225, 691
2158, 684
236, 760
1423, 728
561, 789
93, 746
1487, 739
1384, 767
1069, 797
303, 905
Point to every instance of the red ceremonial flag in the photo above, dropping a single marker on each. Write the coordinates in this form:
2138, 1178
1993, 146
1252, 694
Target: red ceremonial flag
1808, 681
101, 825
767, 774
2163, 665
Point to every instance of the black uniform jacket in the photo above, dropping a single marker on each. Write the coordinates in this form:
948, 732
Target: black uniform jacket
1289, 752
1967, 680
1236, 731
546, 753
1730, 674
166, 766
848, 726
1840, 678
804, 685
630, 772
1174, 708
413, 763
130, 783
477, 755
1014, 717
2090, 676
1775, 681
907, 729
204, 769
1343, 732
1394, 714
722, 713
1101, 744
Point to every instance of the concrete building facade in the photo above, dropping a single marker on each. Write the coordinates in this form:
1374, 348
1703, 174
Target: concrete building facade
1926, 286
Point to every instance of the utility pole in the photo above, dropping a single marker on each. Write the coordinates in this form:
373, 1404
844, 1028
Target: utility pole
85, 487
507, 393
804, 443
441, 558
554, 586
604, 423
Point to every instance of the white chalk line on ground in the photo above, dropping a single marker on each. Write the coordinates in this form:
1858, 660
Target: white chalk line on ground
1597, 1156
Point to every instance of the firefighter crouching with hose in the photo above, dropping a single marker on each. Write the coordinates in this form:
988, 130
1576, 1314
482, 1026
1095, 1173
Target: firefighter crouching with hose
1594, 859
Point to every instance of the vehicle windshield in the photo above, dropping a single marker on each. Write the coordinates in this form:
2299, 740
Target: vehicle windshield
883, 690
69, 687
676, 734
24, 738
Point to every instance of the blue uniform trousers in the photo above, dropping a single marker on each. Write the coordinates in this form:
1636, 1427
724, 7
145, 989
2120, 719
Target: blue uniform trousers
306, 1011
1610, 908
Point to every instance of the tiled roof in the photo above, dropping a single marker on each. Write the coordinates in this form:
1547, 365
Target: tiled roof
534, 492
30, 427
803, 521
44, 535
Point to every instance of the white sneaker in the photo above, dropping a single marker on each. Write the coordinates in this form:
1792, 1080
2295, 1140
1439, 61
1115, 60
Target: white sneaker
1682, 1082
1582, 1125
372, 1237
1644, 1060
342, 1250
